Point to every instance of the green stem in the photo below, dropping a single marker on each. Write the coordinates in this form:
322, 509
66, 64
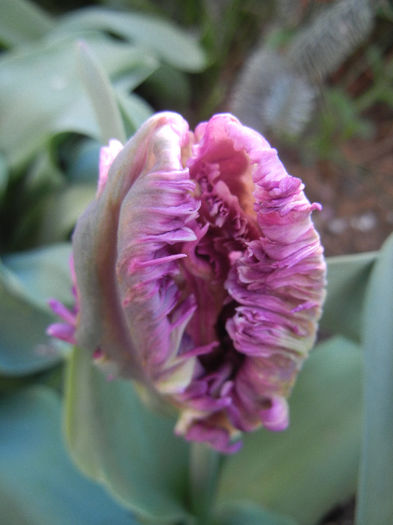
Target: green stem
204, 463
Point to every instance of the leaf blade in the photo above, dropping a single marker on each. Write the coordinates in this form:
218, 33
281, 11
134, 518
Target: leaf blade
101, 95
22, 21
164, 39
245, 513
131, 450
347, 281
375, 504
27, 281
38, 483
54, 100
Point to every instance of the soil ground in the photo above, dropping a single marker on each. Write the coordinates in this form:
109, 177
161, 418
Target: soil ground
356, 194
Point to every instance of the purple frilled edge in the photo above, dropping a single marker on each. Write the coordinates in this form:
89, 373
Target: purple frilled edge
198, 274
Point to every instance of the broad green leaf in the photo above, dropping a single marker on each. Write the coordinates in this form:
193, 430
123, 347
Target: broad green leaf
63, 209
41, 93
134, 110
22, 21
115, 439
101, 95
24, 347
26, 282
42, 273
375, 502
162, 38
306, 470
38, 483
132, 78
245, 513
347, 281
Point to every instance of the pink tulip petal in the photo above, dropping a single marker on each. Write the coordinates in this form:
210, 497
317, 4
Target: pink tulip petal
200, 274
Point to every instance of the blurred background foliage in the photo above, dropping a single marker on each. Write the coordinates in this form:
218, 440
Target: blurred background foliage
315, 76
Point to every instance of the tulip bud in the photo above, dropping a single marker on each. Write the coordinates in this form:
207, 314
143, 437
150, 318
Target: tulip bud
199, 275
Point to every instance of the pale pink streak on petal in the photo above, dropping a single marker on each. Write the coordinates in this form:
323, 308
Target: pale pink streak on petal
107, 156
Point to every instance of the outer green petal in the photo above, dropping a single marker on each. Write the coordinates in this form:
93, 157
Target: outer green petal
102, 323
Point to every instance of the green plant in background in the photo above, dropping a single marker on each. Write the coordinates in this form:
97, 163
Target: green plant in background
38, 116
343, 116
49, 145
49, 152
279, 87
339, 121
49, 140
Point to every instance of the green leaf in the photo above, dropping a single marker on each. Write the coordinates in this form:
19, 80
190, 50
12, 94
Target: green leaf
42, 273
134, 110
162, 38
22, 21
101, 95
306, 470
66, 206
115, 439
129, 79
347, 281
27, 281
38, 483
53, 100
24, 346
375, 503
245, 513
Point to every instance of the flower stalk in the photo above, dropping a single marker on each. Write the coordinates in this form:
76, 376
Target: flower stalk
204, 471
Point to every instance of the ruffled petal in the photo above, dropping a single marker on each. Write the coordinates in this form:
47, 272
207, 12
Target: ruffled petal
103, 321
199, 274
275, 275
149, 260
278, 284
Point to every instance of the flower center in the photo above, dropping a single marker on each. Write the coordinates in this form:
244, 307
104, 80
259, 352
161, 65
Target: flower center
223, 229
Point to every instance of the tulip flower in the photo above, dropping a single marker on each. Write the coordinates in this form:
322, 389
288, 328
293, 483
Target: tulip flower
199, 275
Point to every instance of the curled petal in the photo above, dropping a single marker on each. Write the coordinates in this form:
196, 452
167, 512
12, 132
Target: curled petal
62, 331
62, 311
125, 264
277, 279
275, 417
216, 437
